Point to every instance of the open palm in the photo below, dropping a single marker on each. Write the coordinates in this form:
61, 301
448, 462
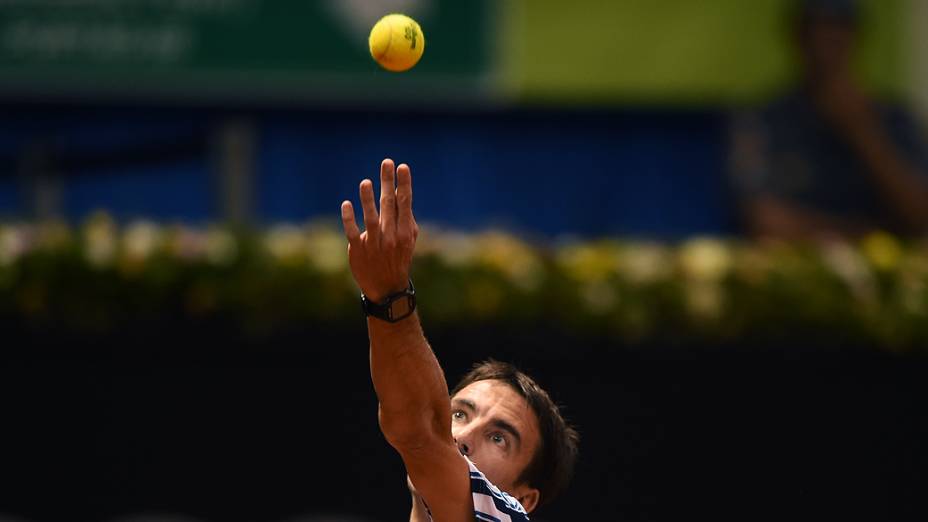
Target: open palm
380, 257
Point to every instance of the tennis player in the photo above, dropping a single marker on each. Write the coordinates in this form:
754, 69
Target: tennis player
499, 448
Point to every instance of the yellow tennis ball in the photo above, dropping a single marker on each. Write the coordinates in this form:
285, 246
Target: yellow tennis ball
397, 42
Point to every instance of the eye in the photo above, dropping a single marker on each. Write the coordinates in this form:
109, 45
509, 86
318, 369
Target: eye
498, 439
458, 415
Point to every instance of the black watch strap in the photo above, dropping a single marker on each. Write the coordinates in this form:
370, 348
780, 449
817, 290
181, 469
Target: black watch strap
394, 308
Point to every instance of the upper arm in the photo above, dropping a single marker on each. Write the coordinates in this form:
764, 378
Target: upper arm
441, 477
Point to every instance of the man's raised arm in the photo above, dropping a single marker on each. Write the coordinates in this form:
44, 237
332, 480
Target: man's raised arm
415, 413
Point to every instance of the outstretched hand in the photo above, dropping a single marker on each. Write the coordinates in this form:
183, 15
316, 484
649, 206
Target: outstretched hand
380, 256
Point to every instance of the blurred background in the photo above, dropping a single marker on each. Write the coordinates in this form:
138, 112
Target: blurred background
700, 225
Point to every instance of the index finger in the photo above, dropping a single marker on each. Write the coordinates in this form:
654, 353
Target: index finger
351, 226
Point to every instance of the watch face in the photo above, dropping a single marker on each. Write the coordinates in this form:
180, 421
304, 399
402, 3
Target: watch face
399, 308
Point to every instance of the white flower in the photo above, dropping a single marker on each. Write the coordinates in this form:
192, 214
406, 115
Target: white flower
705, 259
455, 249
645, 263
140, 240
850, 267
286, 243
328, 250
13, 244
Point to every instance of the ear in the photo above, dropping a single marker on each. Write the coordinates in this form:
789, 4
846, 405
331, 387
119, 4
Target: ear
528, 497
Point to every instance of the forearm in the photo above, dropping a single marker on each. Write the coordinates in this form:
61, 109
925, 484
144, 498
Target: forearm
897, 180
409, 382
415, 412
770, 217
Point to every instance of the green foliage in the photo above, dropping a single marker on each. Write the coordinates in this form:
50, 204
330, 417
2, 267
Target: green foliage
704, 290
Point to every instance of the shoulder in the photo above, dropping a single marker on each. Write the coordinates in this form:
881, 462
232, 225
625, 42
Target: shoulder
490, 503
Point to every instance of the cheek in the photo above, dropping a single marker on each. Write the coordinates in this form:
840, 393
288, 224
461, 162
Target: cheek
497, 463
498, 472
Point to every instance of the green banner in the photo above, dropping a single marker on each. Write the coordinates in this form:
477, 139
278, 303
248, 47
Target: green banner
578, 52
675, 51
265, 48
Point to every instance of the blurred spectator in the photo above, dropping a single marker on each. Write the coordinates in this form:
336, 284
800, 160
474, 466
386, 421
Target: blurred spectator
827, 160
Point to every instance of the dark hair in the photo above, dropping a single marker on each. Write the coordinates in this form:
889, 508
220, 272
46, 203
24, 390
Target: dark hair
806, 12
552, 466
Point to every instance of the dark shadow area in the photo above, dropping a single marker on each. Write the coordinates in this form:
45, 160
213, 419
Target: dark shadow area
191, 419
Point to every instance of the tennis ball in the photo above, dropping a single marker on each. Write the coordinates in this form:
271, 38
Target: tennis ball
397, 42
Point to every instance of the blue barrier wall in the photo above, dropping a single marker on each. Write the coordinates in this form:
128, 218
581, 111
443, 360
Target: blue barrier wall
638, 173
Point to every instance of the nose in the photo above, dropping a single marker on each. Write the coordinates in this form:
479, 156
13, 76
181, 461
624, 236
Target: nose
463, 439
463, 447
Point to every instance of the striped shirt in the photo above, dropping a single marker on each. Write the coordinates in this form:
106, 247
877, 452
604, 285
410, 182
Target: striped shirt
491, 504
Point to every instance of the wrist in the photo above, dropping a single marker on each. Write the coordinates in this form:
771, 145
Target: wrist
392, 308
380, 296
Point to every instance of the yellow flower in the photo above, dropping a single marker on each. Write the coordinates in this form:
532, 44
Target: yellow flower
587, 263
220, 246
100, 240
511, 257
882, 250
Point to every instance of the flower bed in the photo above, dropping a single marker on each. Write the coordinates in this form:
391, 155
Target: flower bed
701, 290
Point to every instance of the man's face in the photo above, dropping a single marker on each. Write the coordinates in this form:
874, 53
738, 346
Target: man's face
827, 45
498, 431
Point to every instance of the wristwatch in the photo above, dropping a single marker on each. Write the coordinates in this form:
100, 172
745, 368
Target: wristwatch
394, 308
